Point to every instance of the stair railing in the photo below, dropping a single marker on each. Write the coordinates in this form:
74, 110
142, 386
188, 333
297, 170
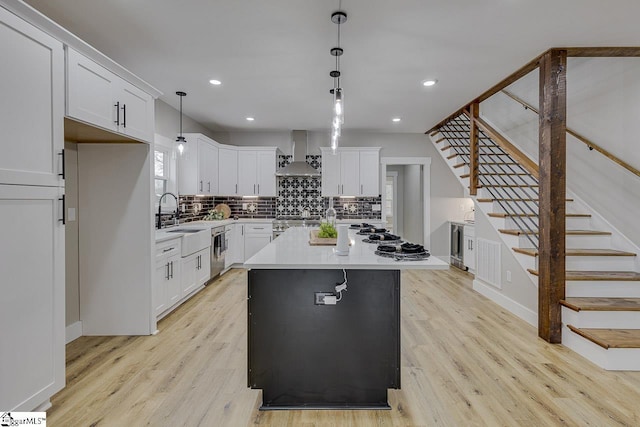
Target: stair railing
590, 144
500, 174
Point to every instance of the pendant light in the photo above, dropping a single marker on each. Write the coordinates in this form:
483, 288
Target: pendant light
337, 18
180, 139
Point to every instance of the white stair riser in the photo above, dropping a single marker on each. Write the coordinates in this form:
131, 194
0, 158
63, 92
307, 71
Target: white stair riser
511, 207
602, 288
507, 179
599, 263
573, 223
621, 359
601, 319
581, 241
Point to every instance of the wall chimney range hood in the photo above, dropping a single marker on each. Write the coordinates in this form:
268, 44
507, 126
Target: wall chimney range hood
299, 165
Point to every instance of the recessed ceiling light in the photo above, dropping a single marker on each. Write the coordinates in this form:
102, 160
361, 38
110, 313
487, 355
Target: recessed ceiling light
250, 119
429, 82
395, 119
215, 82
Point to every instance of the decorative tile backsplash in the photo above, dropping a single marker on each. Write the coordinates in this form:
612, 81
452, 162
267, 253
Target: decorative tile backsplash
295, 193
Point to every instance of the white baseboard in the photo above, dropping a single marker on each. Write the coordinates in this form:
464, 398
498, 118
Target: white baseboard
73, 331
499, 298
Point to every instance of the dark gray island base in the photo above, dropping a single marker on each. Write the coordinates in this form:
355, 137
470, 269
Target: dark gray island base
342, 356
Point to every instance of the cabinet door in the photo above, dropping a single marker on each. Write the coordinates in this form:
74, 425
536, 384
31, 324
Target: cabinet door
254, 242
32, 288
91, 90
369, 173
330, 173
31, 104
266, 179
189, 274
160, 279
238, 251
207, 168
350, 173
230, 237
173, 289
188, 176
203, 273
136, 111
227, 172
211, 169
247, 173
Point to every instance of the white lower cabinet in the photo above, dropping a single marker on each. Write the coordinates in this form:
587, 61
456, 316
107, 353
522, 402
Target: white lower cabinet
229, 243
469, 249
196, 269
32, 318
167, 286
256, 237
238, 244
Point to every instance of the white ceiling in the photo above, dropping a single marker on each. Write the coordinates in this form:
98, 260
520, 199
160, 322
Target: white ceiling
273, 59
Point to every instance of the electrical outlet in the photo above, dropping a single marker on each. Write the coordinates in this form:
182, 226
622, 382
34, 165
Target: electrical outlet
320, 297
376, 208
509, 276
345, 206
244, 206
183, 207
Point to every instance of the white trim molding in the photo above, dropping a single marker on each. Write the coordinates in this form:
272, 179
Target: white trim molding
73, 332
526, 314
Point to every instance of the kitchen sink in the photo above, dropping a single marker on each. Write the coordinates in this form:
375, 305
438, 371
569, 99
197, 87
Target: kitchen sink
193, 239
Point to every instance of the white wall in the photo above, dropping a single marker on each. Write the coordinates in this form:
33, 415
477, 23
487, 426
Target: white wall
167, 122
603, 104
399, 220
413, 204
72, 291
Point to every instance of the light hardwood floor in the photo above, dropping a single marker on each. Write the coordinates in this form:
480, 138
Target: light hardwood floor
465, 362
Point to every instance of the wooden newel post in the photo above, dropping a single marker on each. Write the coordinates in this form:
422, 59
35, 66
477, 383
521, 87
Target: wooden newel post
552, 209
474, 149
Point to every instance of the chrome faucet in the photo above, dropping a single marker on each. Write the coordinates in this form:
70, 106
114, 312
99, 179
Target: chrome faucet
177, 217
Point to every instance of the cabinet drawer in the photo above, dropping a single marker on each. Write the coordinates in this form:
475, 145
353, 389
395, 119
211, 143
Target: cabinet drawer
266, 228
168, 248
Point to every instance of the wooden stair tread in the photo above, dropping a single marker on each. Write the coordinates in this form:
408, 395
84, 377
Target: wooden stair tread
435, 132
466, 175
610, 338
622, 276
601, 304
459, 165
567, 232
505, 215
512, 200
578, 252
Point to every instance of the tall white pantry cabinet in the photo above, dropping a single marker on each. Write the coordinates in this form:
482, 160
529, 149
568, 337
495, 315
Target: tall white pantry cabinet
32, 318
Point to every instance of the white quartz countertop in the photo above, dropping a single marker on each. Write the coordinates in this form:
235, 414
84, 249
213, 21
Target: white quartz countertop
164, 234
292, 251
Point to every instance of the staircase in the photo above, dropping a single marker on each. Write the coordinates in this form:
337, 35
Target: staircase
601, 310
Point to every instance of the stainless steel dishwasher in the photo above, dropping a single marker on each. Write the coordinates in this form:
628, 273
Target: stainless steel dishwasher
218, 249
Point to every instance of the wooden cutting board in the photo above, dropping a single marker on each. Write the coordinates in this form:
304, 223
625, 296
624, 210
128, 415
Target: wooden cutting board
314, 240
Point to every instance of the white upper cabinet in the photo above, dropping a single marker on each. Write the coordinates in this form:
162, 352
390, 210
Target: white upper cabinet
227, 171
351, 172
198, 166
370, 173
247, 171
99, 97
31, 105
257, 172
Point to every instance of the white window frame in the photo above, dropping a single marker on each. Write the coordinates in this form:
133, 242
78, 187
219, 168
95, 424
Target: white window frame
167, 146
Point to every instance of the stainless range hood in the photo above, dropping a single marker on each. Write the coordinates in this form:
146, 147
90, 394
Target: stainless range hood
299, 165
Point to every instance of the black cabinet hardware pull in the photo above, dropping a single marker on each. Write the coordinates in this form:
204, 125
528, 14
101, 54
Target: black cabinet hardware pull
64, 213
117, 122
62, 174
124, 115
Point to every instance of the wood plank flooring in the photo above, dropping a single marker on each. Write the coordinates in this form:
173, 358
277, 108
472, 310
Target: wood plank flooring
465, 362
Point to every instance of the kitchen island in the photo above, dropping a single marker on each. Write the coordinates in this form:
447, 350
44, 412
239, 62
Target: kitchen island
311, 346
